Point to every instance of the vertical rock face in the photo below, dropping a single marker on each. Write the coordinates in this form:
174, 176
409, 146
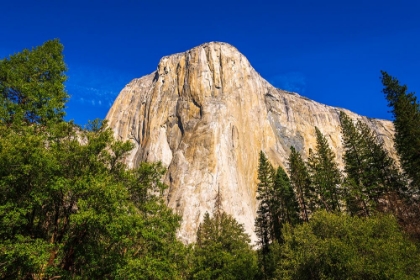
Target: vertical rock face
206, 114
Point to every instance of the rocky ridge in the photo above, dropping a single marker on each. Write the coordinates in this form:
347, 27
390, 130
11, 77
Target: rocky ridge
205, 114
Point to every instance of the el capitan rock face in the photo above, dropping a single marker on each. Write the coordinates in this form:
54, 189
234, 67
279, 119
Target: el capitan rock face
206, 114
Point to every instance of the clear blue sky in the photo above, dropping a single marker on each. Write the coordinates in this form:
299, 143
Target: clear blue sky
329, 51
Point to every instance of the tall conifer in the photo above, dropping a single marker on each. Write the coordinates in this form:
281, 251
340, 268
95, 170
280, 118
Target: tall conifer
370, 173
285, 205
267, 224
406, 112
300, 181
222, 250
354, 165
263, 223
325, 175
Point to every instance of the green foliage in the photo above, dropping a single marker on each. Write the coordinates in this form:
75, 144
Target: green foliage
357, 193
285, 205
325, 176
32, 85
264, 221
70, 208
371, 173
278, 205
301, 182
406, 111
222, 250
337, 246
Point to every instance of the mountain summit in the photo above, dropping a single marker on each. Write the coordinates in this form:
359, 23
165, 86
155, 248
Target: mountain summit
206, 114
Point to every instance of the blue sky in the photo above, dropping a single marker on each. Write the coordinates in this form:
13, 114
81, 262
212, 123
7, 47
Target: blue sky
329, 51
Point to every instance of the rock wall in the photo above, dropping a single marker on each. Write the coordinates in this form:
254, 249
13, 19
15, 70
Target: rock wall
206, 114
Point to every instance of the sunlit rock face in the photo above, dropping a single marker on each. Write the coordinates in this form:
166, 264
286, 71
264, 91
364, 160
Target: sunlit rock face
206, 114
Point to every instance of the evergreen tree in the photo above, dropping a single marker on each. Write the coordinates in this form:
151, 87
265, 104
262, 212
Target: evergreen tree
371, 173
264, 221
300, 181
355, 164
278, 205
222, 250
406, 112
325, 175
285, 205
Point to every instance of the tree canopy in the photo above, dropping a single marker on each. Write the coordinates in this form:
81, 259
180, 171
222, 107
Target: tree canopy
222, 250
32, 85
338, 246
70, 207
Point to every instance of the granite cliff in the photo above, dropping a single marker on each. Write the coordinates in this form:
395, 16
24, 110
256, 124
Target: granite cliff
206, 114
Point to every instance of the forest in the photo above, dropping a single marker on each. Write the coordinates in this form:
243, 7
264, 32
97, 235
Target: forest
70, 208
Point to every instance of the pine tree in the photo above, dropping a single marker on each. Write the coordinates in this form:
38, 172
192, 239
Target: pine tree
406, 112
300, 181
285, 205
222, 250
370, 173
355, 197
325, 175
264, 221
383, 173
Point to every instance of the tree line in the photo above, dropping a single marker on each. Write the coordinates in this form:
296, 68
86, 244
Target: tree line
321, 222
71, 209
